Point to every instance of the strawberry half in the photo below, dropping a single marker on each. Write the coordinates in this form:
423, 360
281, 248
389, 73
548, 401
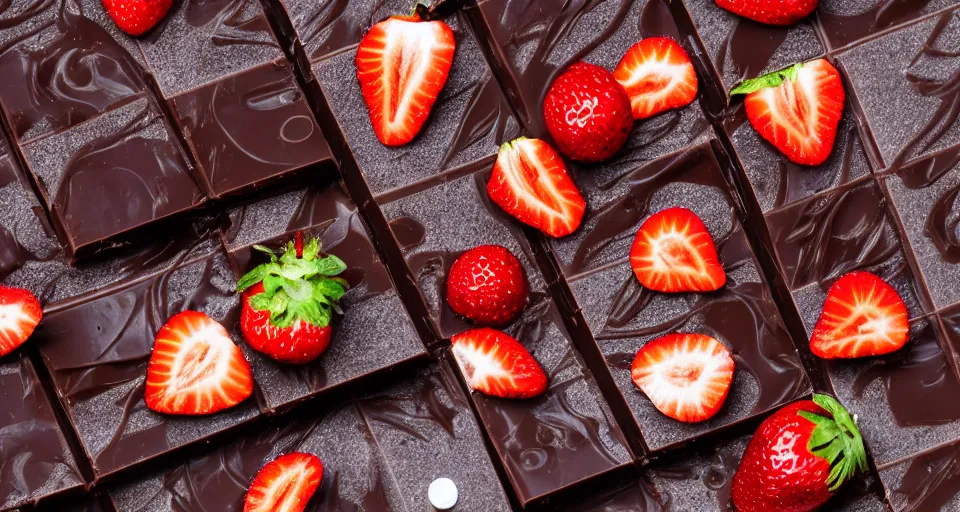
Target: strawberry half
686, 376
285, 485
196, 368
658, 76
530, 182
289, 302
495, 364
863, 316
769, 12
20, 313
136, 17
402, 65
797, 109
673, 252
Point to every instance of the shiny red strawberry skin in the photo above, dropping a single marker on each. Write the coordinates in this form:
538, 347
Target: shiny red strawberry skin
588, 113
20, 313
298, 344
777, 471
771, 12
487, 285
136, 17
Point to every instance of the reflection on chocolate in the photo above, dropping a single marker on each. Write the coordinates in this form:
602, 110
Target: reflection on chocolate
379, 452
846, 21
37, 460
926, 482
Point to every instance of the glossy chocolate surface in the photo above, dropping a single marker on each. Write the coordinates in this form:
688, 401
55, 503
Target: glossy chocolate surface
36, 458
468, 122
930, 481
374, 333
924, 196
740, 48
249, 128
101, 381
907, 85
127, 153
846, 21
380, 452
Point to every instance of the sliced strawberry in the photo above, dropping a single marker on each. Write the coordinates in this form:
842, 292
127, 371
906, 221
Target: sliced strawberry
285, 485
863, 316
658, 76
136, 17
797, 109
673, 252
686, 376
495, 364
196, 368
20, 313
530, 182
402, 65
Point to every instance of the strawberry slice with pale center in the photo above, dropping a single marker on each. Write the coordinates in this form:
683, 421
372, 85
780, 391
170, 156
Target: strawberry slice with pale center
530, 182
495, 364
863, 316
658, 76
686, 376
20, 313
402, 65
285, 485
674, 252
797, 109
196, 368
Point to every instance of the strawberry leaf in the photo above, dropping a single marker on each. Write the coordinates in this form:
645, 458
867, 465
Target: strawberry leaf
298, 269
837, 440
311, 250
330, 266
770, 80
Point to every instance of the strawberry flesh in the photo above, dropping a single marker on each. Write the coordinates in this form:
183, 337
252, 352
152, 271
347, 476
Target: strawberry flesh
402, 65
863, 316
196, 368
135, 17
530, 182
686, 376
285, 485
674, 252
495, 364
20, 313
658, 76
487, 285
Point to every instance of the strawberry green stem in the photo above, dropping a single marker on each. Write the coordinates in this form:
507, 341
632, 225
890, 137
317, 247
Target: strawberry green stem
837, 440
770, 80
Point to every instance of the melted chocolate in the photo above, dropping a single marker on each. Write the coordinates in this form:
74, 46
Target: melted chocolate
380, 453
930, 481
101, 381
37, 460
127, 153
846, 21
375, 331
217, 119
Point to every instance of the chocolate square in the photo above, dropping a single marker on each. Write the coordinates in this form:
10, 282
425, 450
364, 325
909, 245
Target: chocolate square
846, 21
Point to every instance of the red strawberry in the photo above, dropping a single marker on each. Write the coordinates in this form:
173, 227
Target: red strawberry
20, 313
797, 109
136, 16
798, 458
658, 76
486, 284
587, 113
196, 368
862, 317
770, 12
530, 182
673, 252
285, 485
288, 303
686, 376
495, 364
402, 65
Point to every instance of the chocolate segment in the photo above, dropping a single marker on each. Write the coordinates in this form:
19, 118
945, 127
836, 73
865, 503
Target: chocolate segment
929, 481
380, 452
37, 460
101, 381
374, 333
126, 153
845, 21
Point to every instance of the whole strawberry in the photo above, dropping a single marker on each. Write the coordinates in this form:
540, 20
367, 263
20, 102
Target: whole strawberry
588, 113
288, 303
770, 12
135, 17
798, 458
486, 284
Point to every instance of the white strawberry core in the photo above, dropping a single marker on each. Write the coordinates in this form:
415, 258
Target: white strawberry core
479, 366
673, 254
285, 491
522, 153
12, 317
659, 79
682, 380
202, 362
409, 50
795, 104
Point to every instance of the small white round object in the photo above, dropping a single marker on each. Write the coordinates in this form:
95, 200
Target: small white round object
443, 494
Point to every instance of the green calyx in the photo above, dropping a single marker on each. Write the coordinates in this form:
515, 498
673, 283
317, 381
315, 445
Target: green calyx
296, 287
837, 440
771, 80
